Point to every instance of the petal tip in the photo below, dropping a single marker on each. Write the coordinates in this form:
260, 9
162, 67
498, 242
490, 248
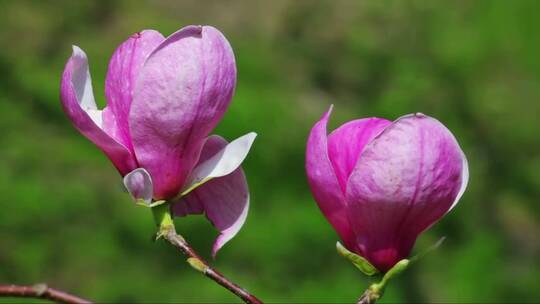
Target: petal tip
326, 115
77, 51
231, 231
139, 34
251, 136
216, 247
330, 109
195, 30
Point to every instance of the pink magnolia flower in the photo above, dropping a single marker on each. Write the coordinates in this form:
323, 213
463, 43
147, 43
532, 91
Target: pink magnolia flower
164, 97
381, 183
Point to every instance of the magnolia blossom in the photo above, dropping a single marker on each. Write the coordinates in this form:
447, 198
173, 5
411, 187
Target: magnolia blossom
381, 183
164, 96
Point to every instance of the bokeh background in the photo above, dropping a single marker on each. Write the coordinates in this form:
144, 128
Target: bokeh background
475, 65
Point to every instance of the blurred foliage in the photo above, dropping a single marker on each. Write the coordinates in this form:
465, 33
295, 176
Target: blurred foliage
474, 65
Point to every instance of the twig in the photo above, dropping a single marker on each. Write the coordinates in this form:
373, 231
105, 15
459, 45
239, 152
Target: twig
201, 265
163, 218
40, 291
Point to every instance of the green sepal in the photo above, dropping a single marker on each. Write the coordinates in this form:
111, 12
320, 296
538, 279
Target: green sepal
396, 269
163, 219
358, 261
195, 185
376, 290
141, 202
437, 244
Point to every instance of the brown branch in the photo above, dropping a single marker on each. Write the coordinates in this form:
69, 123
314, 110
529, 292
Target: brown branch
40, 291
201, 265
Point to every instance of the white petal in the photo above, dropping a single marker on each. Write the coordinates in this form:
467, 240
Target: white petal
139, 184
82, 82
96, 116
222, 163
464, 181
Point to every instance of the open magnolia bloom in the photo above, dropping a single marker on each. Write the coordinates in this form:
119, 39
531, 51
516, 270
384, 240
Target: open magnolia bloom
381, 183
164, 97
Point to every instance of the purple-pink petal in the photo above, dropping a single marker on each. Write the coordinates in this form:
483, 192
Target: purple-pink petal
405, 180
224, 200
181, 94
124, 68
324, 183
79, 105
189, 204
346, 143
139, 184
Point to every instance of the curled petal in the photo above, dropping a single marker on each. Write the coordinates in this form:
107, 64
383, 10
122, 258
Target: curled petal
181, 94
405, 180
224, 200
222, 163
79, 104
139, 184
124, 68
324, 183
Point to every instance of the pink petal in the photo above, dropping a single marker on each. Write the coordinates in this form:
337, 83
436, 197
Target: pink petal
189, 204
139, 184
405, 180
78, 103
324, 183
464, 181
181, 94
224, 200
124, 68
347, 142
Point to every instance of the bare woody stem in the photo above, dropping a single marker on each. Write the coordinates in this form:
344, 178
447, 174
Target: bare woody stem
168, 232
40, 291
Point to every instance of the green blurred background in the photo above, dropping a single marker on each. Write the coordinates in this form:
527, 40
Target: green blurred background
475, 65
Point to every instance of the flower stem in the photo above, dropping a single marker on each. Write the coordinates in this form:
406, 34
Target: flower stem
376, 290
369, 296
40, 291
167, 231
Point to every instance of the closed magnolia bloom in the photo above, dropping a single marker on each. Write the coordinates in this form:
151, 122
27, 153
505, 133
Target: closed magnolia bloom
381, 183
164, 96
